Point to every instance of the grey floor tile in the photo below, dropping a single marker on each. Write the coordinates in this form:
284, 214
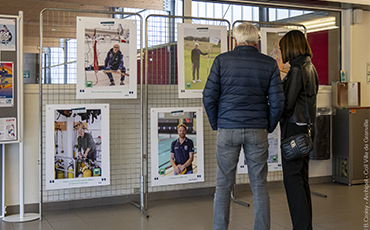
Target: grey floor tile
236, 226
318, 227
111, 226
275, 226
344, 224
33, 225
91, 212
162, 228
281, 219
146, 223
61, 215
101, 221
6, 226
69, 224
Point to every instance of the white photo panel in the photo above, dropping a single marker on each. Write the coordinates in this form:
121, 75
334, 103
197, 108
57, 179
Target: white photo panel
77, 146
102, 70
7, 34
274, 159
270, 38
197, 47
164, 122
6, 84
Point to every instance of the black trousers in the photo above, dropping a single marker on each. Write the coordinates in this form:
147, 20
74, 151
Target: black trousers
92, 155
295, 174
196, 68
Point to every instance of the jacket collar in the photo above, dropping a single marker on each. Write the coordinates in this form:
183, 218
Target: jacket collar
300, 60
246, 48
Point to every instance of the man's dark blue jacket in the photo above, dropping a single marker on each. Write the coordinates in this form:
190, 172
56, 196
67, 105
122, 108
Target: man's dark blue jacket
244, 91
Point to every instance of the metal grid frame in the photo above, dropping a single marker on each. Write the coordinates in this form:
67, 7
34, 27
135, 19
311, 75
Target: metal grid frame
153, 93
158, 94
125, 129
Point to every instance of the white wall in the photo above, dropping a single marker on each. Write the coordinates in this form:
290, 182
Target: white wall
31, 153
360, 55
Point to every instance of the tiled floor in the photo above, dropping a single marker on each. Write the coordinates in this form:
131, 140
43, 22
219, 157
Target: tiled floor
343, 208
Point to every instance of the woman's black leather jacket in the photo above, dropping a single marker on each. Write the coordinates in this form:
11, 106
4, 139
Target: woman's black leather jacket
295, 106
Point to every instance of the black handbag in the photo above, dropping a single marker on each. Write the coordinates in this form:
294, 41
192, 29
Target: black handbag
299, 145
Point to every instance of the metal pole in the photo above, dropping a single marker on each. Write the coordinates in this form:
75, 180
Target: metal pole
3, 181
144, 201
20, 114
21, 189
40, 114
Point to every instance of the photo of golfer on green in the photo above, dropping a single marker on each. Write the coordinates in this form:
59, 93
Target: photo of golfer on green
201, 45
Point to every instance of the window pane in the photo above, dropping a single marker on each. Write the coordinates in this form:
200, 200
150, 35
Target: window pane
71, 59
237, 13
179, 8
218, 10
209, 10
202, 9
272, 14
295, 13
255, 14
281, 14
247, 13
194, 9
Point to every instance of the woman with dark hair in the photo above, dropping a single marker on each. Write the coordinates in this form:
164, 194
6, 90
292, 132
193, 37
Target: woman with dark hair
300, 84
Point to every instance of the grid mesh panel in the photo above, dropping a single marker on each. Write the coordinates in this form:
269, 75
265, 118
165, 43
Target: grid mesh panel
166, 95
125, 115
60, 26
162, 78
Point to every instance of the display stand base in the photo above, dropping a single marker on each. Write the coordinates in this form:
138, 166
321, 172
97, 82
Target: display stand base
233, 198
141, 209
240, 202
17, 219
319, 194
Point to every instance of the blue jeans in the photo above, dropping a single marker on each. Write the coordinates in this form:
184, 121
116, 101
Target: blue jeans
228, 146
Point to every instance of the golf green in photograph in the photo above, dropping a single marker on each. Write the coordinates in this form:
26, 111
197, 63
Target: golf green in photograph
205, 65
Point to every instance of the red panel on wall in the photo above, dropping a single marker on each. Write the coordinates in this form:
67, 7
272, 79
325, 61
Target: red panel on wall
158, 66
319, 46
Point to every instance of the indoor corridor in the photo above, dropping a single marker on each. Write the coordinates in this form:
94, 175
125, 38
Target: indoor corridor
343, 208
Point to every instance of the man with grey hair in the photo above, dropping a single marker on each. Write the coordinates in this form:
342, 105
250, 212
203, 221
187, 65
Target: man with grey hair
244, 99
195, 60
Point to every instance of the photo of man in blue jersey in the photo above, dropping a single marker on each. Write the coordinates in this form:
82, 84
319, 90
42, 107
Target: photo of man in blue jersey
182, 152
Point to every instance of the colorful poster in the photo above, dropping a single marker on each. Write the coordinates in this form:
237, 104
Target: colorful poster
77, 146
6, 84
274, 159
7, 34
106, 58
8, 129
197, 47
270, 38
176, 146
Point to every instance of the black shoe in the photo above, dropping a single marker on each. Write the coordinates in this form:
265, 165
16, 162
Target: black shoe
122, 83
112, 83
